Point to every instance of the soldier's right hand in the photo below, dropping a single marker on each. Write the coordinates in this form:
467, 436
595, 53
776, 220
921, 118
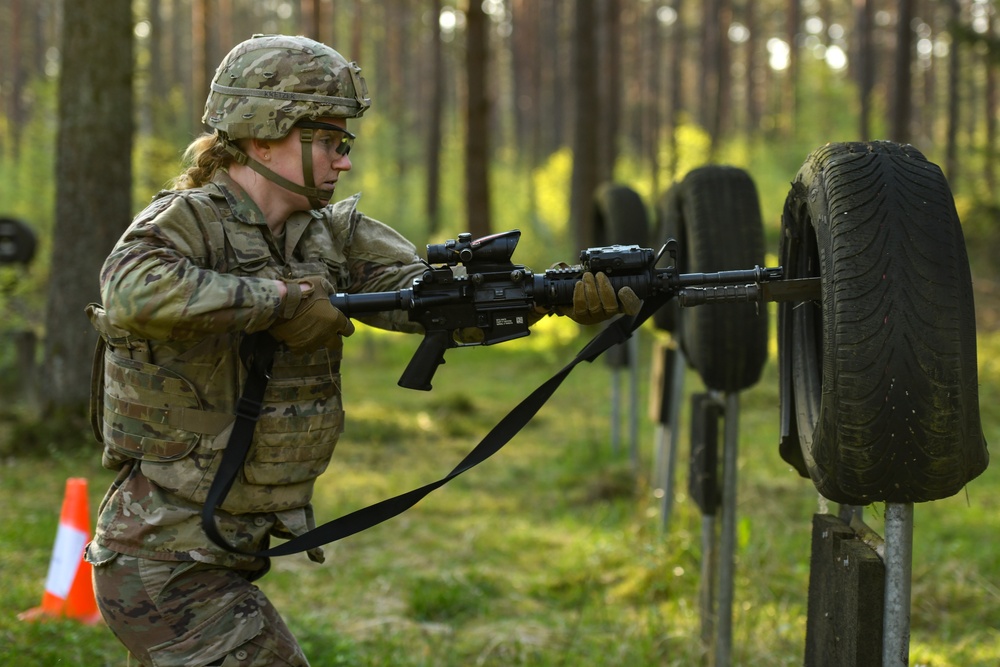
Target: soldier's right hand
315, 323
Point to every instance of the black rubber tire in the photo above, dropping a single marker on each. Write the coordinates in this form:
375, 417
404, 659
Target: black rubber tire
17, 242
879, 378
668, 226
620, 216
719, 228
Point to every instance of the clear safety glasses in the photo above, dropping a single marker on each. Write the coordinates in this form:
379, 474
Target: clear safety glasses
341, 146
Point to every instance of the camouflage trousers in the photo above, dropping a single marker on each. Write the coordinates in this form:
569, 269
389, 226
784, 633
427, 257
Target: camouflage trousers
187, 614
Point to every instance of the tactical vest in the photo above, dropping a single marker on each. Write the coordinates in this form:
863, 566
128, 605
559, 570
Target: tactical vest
170, 404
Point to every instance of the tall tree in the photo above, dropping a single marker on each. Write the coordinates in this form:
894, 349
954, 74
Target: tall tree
653, 120
201, 65
990, 99
156, 93
435, 123
954, 76
585, 126
864, 64
722, 78
752, 98
555, 75
790, 92
179, 75
477, 120
610, 87
675, 94
93, 207
151, 93
714, 63
403, 87
901, 102
357, 31
709, 65
525, 63
15, 73
226, 38
310, 19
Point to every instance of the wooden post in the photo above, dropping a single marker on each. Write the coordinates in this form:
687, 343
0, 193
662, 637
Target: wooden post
846, 598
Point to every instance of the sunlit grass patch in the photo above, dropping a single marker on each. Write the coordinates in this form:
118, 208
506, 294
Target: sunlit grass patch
980, 646
550, 553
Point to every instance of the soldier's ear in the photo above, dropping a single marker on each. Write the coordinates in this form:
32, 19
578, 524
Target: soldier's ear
260, 149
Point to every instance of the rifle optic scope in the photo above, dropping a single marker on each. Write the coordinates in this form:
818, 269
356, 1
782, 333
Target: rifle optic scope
492, 249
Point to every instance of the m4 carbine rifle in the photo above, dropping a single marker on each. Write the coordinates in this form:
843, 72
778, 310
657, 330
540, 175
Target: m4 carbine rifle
498, 297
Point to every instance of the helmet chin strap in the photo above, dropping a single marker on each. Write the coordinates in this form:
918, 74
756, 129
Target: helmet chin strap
317, 198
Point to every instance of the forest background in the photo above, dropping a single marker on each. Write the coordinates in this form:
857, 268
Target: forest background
492, 116
487, 116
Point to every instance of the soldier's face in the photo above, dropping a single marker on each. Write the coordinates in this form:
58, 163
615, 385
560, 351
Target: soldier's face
330, 149
329, 158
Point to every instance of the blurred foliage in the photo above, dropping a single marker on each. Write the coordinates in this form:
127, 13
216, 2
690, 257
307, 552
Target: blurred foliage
388, 169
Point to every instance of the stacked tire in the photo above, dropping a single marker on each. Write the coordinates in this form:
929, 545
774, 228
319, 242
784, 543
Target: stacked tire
879, 385
714, 215
17, 242
620, 218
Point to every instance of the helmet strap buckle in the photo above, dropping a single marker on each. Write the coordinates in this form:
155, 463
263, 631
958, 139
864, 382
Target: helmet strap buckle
306, 138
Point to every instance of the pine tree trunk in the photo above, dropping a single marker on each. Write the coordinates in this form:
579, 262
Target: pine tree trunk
585, 126
477, 146
93, 172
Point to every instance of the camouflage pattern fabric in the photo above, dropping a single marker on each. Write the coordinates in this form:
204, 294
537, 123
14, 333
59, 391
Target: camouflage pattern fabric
270, 82
174, 413
193, 273
139, 518
181, 614
190, 276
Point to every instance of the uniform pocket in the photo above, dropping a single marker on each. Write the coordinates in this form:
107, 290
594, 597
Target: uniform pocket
99, 556
301, 421
146, 408
220, 635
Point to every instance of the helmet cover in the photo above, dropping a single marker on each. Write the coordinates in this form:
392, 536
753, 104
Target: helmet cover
270, 82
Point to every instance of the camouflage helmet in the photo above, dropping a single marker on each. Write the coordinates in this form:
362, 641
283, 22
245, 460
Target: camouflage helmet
270, 82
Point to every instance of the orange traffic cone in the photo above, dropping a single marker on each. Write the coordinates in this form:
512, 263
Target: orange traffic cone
69, 589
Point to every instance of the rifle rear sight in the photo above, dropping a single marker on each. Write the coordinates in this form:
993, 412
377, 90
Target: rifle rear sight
492, 249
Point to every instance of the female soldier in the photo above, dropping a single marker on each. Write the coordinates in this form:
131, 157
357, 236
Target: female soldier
247, 242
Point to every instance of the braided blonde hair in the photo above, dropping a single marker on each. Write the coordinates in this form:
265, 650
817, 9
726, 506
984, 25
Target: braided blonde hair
204, 156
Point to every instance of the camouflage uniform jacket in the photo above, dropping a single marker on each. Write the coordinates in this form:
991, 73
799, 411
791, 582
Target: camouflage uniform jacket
193, 273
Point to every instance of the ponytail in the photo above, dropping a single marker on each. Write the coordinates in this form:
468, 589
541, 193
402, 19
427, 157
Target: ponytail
204, 156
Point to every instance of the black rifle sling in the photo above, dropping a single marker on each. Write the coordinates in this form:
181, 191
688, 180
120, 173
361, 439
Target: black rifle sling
257, 353
239, 443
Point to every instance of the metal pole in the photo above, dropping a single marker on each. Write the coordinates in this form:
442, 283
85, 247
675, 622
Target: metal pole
616, 393
898, 574
668, 458
633, 417
660, 435
727, 537
708, 568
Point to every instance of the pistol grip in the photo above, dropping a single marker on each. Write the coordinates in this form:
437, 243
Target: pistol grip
429, 355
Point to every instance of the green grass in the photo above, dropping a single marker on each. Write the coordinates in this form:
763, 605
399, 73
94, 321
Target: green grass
551, 553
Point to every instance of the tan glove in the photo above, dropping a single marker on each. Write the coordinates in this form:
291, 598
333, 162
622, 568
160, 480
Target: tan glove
315, 323
594, 300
